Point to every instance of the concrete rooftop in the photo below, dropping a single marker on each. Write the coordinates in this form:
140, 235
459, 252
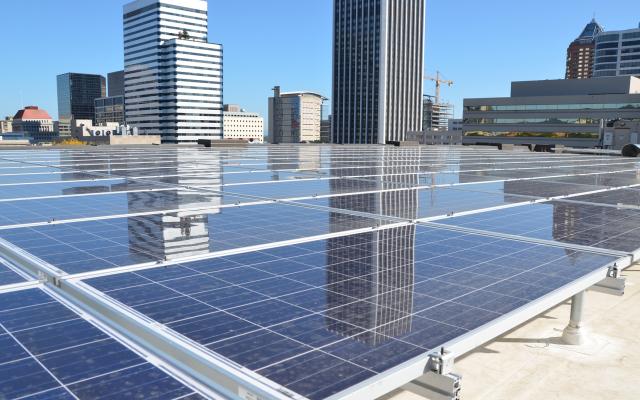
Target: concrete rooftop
531, 362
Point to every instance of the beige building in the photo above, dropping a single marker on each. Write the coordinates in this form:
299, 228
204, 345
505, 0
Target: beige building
242, 125
6, 125
295, 117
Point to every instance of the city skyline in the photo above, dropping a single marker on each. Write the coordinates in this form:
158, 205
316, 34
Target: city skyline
302, 61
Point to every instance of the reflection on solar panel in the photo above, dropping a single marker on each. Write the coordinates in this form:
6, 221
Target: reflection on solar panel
279, 272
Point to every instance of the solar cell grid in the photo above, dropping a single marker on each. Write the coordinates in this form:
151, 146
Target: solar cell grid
621, 197
8, 275
356, 303
95, 245
619, 179
417, 203
51, 353
564, 222
531, 188
118, 203
24, 191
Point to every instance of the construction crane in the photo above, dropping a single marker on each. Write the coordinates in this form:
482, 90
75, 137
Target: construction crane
438, 82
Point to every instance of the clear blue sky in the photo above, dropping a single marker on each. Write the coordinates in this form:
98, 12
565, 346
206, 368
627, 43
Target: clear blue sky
482, 45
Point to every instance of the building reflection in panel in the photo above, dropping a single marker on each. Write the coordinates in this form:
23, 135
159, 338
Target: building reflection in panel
305, 158
370, 275
161, 236
74, 163
174, 235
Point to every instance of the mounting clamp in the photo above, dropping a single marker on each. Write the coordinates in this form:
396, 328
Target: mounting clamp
438, 382
613, 284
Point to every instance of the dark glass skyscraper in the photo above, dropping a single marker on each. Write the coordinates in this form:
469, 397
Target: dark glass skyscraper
116, 83
378, 62
76, 95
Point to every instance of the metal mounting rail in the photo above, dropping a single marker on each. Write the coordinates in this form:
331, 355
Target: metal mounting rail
177, 374
19, 286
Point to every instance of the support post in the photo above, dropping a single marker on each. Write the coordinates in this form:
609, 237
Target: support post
573, 334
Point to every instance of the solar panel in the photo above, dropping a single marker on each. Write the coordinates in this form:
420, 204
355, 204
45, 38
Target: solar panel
355, 303
620, 197
21, 190
109, 204
49, 352
9, 275
565, 222
279, 271
94, 245
416, 203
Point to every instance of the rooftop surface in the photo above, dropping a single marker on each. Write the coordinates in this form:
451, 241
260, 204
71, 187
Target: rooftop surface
31, 113
294, 271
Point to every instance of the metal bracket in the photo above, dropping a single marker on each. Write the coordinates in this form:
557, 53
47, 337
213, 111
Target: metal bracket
439, 382
441, 363
613, 284
57, 282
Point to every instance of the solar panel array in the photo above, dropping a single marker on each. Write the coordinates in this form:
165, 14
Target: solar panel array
307, 270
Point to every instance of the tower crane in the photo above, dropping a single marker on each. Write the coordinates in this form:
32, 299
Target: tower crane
438, 82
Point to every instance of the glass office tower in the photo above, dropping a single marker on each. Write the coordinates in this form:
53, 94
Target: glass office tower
76, 95
378, 62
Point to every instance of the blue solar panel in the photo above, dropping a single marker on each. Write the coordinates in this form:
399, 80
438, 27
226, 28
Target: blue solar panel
46, 210
563, 221
61, 188
8, 276
49, 352
426, 202
316, 317
94, 245
353, 304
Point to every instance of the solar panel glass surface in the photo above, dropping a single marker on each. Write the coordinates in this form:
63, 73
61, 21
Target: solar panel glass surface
49, 352
289, 290
8, 275
355, 305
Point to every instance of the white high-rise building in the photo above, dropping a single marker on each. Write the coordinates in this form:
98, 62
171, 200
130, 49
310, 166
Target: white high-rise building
173, 75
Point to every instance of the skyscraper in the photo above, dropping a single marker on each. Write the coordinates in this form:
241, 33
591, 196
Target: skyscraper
173, 75
581, 52
76, 95
378, 63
